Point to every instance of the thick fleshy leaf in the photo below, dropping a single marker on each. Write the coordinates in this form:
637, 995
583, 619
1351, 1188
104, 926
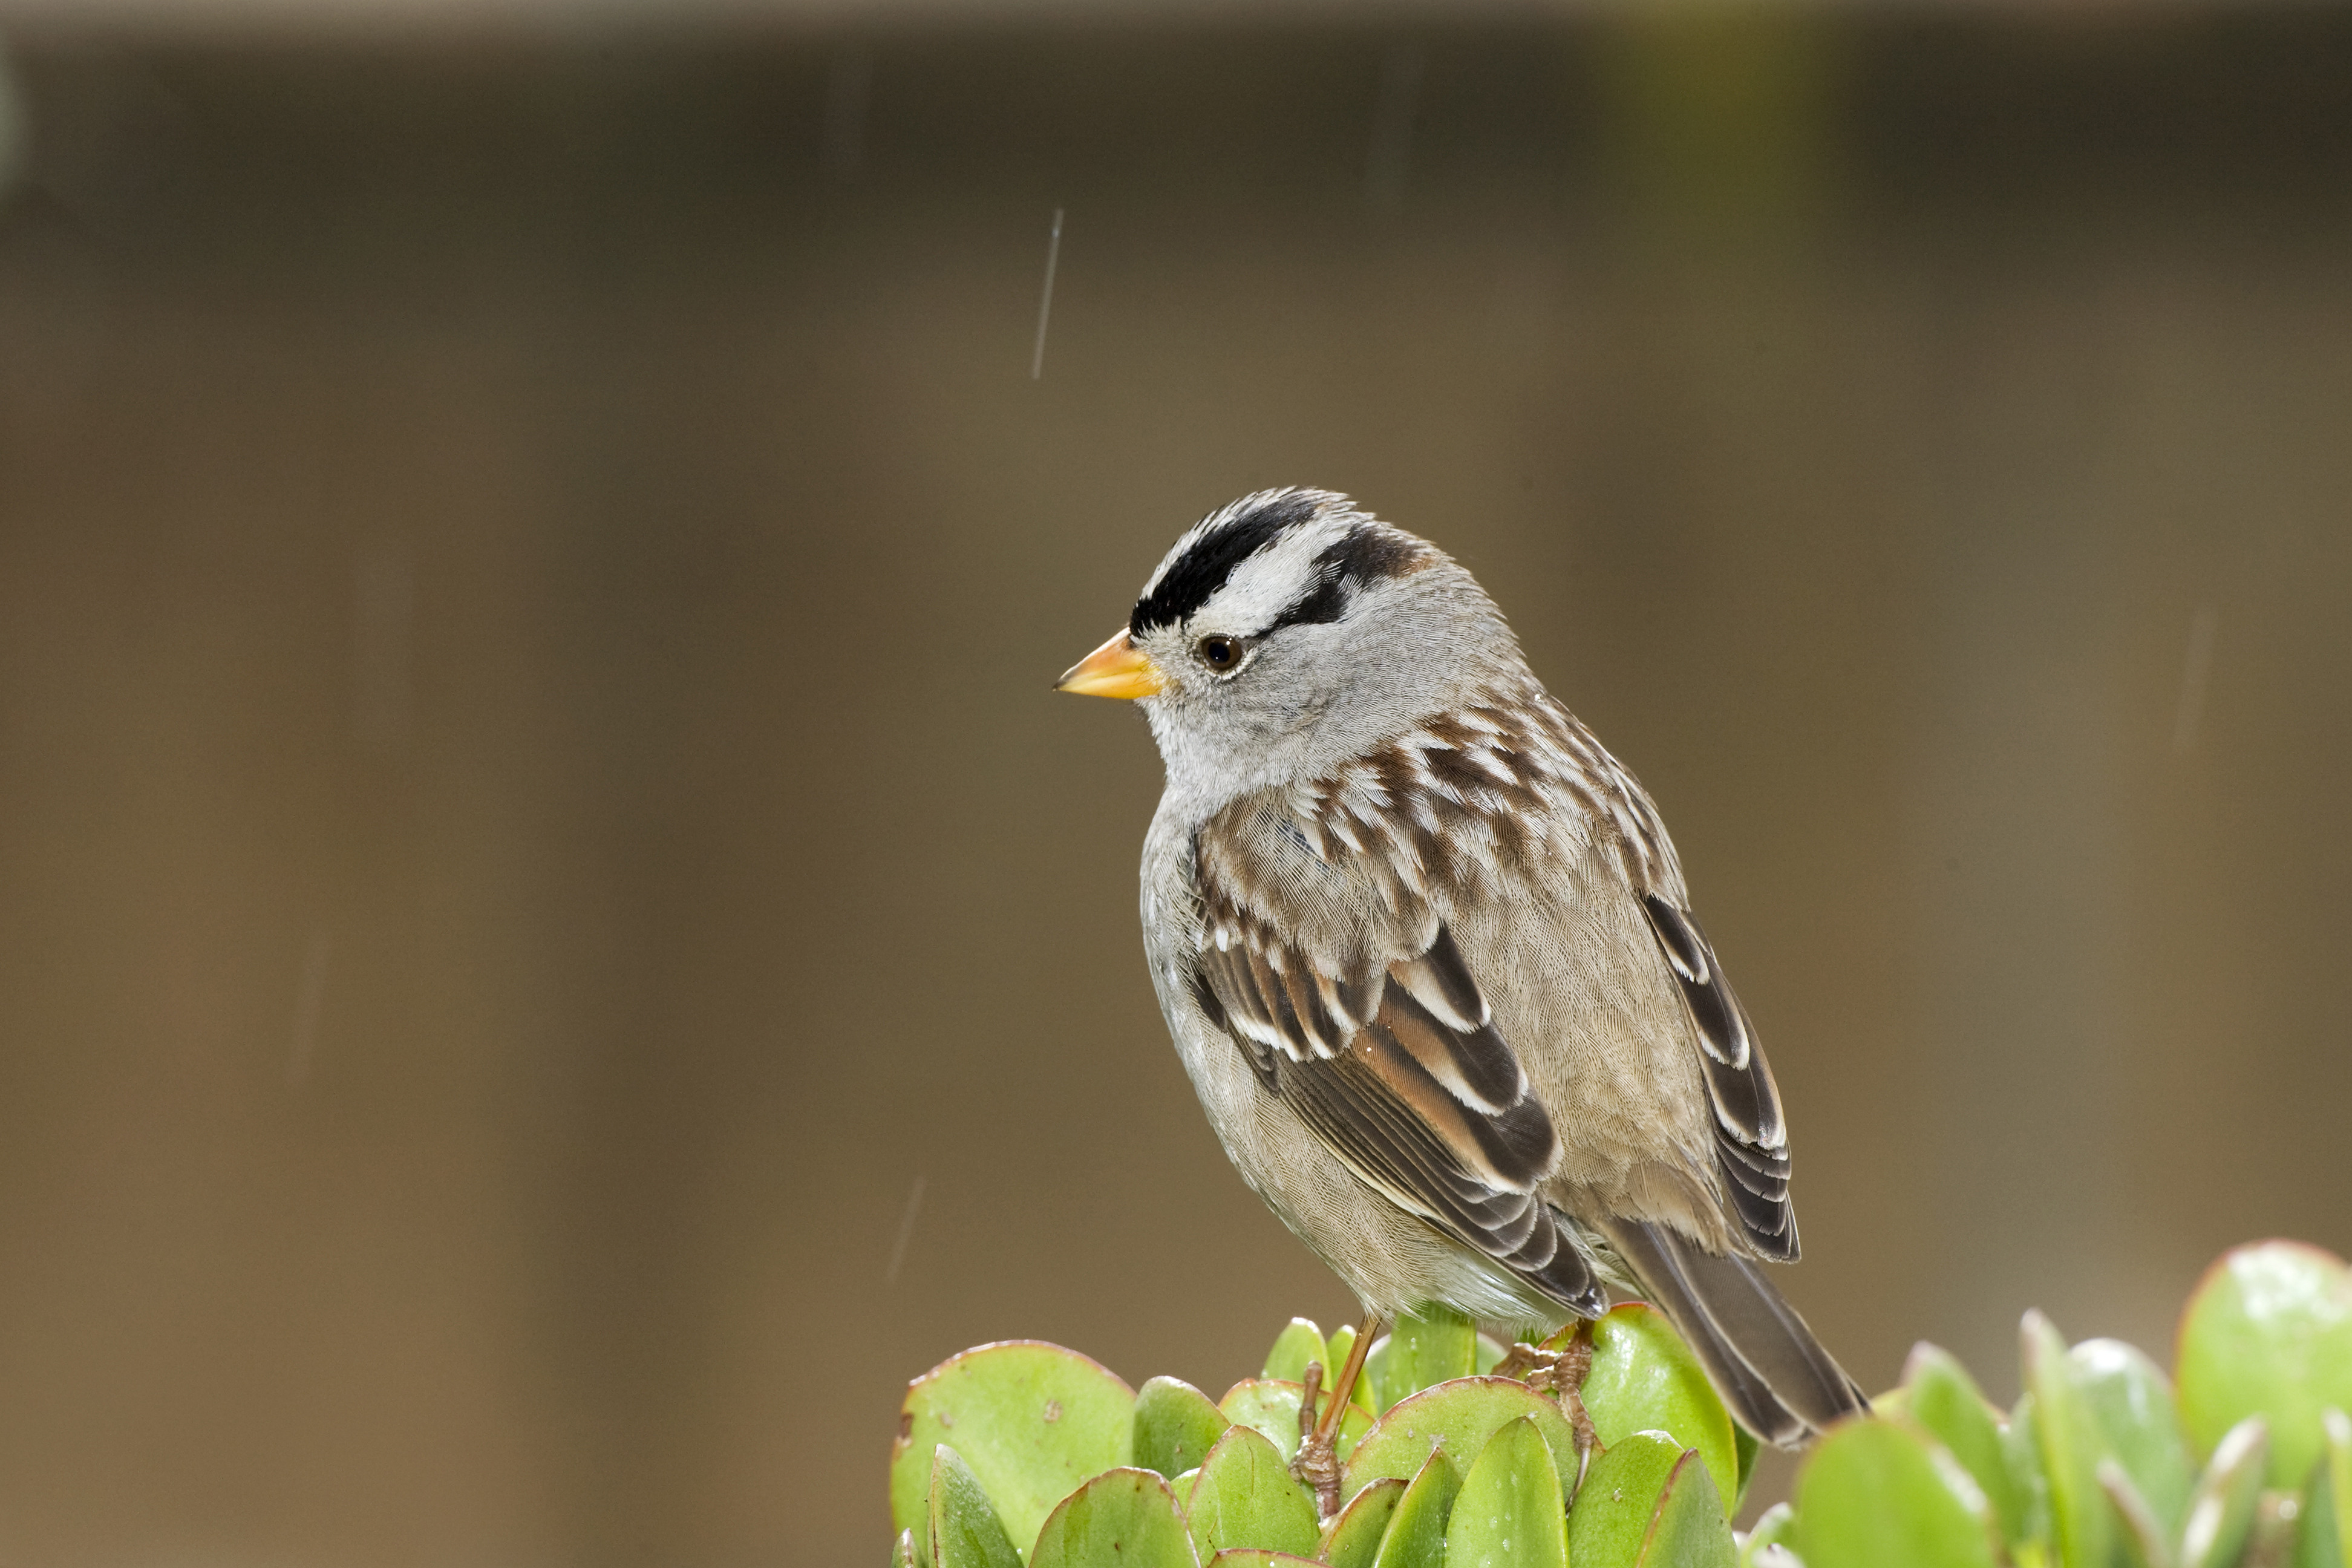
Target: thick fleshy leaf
1510, 1513
1745, 1447
1245, 1496
1376, 1371
1296, 1345
1032, 1420
2326, 1538
1175, 1425
2222, 1510
1182, 1486
2131, 1400
1123, 1516
1415, 1537
1644, 1379
1873, 1494
1941, 1396
2140, 1541
1774, 1526
1342, 1342
1619, 1498
964, 1530
1255, 1557
1689, 1530
902, 1551
1354, 1538
2083, 1520
1271, 1410
2269, 1332
2020, 1440
1425, 1349
1459, 1419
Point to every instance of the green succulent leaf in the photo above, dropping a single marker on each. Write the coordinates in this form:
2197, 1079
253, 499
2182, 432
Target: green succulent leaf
1343, 1343
1618, 1499
1689, 1530
2140, 1541
1123, 1516
1940, 1396
2083, 1520
1031, 1420
1509, 1513
2222, 1510
1353, 1539
1296, 1345
1271, 1410
1415, 1537
1875, 1493
902, 1551
1746, 1447
2131, 1402
1645, 1379
1175, 1425
1257, 1557
1490, 1354
2326, 1538
1181, 1487
964, 1530
1459, 1419
2021, 1442
1435, 1345
2269, 1332
1773, 1526
1376, 1371
1245, 1496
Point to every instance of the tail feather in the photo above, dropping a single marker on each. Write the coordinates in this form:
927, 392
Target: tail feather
1776, 1377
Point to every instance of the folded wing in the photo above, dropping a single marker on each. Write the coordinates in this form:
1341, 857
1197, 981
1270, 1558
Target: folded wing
1399, 1070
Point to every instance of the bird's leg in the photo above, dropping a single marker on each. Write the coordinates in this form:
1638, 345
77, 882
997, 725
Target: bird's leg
1527, 1362
1317, 1463
1561, 1374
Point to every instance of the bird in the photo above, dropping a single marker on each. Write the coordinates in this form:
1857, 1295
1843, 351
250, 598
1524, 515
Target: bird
1427, 955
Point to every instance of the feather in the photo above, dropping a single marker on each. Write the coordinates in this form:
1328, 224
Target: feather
1406, 1080
1751, 1140
1759, 1353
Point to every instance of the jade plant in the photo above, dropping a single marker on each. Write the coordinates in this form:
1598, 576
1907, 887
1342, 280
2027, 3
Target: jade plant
1606, 1447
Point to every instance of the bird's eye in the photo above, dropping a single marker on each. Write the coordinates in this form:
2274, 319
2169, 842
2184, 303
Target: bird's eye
1219, 652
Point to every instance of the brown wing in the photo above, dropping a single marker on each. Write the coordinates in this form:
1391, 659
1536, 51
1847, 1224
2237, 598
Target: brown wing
1400, 1071
1751, 1143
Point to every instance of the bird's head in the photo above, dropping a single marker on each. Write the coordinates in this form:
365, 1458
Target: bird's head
1289, 631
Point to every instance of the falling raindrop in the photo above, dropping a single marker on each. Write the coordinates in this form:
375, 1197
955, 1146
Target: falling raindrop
310, 999
906, 1230
1045, 303
2193, 675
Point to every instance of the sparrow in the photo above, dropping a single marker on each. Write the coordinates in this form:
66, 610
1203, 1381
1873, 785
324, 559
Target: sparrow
1428, 957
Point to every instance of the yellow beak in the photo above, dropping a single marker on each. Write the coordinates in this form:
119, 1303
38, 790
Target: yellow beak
1118, 668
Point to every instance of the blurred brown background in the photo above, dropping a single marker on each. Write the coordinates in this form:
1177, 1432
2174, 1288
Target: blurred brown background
558, 948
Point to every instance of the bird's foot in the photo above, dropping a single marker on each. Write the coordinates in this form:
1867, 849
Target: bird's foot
1316, 1465
1527, 1362
1561, 1374
1318, 1462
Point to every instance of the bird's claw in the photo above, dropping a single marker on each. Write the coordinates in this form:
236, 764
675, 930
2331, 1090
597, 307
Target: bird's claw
1317, 1466
1561, 1374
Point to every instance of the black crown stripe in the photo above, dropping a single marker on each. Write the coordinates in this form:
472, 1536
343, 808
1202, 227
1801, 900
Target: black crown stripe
1193, 578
